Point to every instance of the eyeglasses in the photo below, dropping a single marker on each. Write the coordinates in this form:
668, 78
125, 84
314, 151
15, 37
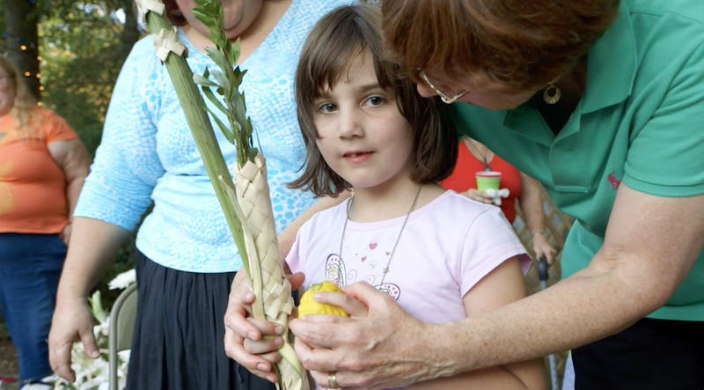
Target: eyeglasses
447, 99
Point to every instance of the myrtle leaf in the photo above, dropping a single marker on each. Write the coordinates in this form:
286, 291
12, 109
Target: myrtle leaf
213, 99
225, 81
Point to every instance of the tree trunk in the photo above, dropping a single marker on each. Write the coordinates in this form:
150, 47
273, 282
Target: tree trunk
22, 47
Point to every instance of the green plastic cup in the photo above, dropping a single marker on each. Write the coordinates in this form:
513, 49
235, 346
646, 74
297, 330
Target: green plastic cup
487, 180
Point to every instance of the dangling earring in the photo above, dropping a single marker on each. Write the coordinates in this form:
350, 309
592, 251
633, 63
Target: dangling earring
552, 94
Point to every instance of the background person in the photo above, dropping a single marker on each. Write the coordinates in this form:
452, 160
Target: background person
473, 156
600, 101
186, 258
42, 167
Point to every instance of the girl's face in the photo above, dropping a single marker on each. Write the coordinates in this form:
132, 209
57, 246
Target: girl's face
477, 91
361, 133
7, 92
239, 15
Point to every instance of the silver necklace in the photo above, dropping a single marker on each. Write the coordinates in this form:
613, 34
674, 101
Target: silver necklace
393, 250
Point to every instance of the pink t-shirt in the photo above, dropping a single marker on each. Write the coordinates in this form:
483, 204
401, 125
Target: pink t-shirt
447, 246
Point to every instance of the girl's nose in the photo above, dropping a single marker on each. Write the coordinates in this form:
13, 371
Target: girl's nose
350, 123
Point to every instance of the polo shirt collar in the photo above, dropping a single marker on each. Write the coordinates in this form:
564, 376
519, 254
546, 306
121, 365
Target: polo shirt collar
610, 81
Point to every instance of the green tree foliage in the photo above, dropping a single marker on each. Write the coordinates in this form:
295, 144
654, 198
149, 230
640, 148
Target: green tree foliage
20, 40
83, 46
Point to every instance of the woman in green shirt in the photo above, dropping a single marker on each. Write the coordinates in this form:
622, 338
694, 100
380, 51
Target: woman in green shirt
603, 102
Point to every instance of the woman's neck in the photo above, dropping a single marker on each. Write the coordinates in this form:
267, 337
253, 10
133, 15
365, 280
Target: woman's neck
253, 36
572, 86
479, 151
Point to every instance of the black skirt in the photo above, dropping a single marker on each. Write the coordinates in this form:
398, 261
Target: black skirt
179, 331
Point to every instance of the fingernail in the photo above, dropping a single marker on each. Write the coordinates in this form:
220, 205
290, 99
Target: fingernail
279, 330
278, 341
252, 335
261, 367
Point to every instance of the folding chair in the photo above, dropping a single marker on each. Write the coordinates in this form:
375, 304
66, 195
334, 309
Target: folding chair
120, 330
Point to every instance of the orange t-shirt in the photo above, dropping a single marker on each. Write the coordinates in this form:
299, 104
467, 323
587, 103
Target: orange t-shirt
32, 186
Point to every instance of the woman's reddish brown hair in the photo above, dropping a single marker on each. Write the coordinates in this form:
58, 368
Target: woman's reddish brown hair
522, 43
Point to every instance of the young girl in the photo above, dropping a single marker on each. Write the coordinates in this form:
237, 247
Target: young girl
440, 255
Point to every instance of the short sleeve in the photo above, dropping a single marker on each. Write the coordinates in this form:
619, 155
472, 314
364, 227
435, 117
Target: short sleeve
294, 258
126, 166
665, 156
56, 128
490, 241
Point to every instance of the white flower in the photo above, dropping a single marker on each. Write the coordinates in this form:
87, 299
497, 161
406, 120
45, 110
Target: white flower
123, 280
37, 386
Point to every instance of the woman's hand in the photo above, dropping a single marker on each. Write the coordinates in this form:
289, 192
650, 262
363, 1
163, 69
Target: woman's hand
72, 321
479, 196
378, 346
93, 243
542, 248
65, 234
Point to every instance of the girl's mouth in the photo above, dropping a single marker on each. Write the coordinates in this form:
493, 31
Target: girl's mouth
357, 156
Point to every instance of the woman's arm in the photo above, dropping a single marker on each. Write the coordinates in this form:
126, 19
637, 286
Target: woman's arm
91, 248
73, 160
118, 191
644, 258
500, 287
532, 207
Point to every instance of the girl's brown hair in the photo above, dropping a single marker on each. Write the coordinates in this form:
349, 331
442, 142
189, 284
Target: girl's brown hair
23, 107
522, 43
335, 41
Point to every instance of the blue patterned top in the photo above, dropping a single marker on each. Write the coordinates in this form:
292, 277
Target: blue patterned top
147, 152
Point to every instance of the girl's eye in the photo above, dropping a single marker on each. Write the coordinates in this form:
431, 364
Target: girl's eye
375, 100
326, 108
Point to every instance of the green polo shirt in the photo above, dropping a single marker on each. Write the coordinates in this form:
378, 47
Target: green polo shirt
640, 121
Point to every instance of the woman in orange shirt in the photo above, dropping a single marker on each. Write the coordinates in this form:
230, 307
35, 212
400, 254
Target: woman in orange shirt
42, 167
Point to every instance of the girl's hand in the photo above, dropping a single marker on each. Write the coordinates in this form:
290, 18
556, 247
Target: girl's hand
351, 305
252, 343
